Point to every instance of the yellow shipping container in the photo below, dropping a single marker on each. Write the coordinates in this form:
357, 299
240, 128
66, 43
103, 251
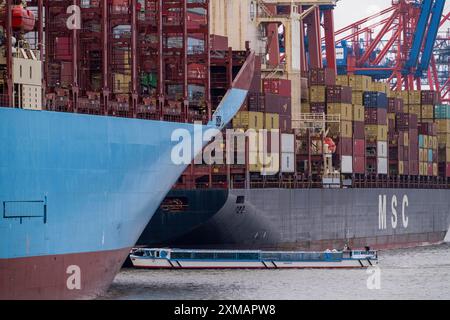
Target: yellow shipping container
317, 94
358, 113
427, 112
423, 169
342, 80
249, 120
415, 97
306, 108
403, 95
443, 126
360, 83
357, 98
414, 109
421, 155
342, 109
425, 142
391, 116
343, 129
435, 143
444, 139
406, 139
272, 121
401, 168
381, 87
376, 132
347, 129
435, 169
121, 83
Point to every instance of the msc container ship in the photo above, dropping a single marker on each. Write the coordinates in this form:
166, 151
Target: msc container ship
85, 147
359, 164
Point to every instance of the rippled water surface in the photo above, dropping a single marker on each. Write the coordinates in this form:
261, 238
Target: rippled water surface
421, 273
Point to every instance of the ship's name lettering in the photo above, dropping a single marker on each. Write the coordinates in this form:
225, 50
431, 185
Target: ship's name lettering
397, 217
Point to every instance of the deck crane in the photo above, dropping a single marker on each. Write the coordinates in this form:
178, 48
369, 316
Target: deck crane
401, 51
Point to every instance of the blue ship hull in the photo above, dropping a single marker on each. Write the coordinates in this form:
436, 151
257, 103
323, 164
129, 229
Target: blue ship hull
76, 192
74, 184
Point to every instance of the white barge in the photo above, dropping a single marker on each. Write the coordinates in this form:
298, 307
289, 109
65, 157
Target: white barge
215, 259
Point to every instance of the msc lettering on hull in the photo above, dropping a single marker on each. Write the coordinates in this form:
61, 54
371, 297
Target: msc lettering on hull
394, 204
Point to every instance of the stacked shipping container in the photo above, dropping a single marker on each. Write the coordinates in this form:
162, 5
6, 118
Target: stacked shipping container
391, 133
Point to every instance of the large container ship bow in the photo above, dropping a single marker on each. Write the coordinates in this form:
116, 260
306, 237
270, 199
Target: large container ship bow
82, 174
360, 164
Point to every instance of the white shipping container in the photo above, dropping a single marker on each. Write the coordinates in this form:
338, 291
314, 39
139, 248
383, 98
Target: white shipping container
382, 149
287, 143
347, 164
288, 162
382, 166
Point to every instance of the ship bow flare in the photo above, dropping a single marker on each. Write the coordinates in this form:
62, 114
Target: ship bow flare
76, 192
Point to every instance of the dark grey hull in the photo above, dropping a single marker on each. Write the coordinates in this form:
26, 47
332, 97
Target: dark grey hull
319, 219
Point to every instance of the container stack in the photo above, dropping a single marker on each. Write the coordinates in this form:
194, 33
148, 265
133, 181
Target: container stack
442, 115
428, 148
381, 132
398, 140
278, 105
428, 101
414, 103
376, 127
245, 120
339, 102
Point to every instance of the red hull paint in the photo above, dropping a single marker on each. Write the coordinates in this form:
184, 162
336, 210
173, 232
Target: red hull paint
377, 243
45, 278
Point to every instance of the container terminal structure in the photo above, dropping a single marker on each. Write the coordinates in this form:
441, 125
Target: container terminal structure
364, 155
90, 94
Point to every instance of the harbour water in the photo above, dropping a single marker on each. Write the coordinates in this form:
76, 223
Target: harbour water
419, 273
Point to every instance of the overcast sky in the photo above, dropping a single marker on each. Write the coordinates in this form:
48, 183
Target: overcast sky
348, 11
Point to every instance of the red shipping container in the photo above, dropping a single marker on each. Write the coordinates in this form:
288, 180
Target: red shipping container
359, 165
427, 129
414, 168
430, 170
359, 148
375, 116
395, 105
63, 49
429, 97
322, 77
405, 168
405, 156
339, 94
280, 87
218, 43
447, 170
359, 130
345, 147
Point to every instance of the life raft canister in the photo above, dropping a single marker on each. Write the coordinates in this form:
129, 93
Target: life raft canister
331, 144
22, 19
